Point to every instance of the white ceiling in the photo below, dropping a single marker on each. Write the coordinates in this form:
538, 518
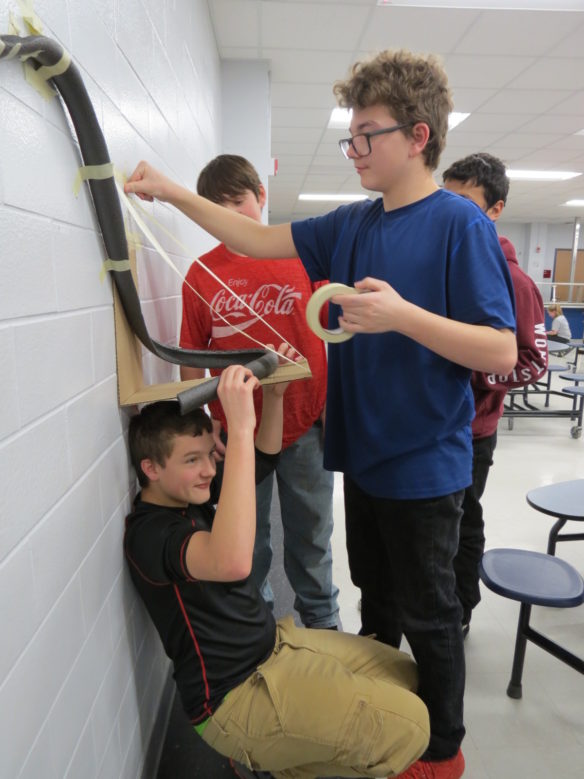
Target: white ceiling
519, 72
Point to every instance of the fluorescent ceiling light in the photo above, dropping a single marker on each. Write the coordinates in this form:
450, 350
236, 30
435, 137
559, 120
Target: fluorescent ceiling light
455, 118
542, 175
580, 132
340, 119
336, 198
577, 203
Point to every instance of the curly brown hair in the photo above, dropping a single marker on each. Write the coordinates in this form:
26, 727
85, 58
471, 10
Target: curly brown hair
413, 87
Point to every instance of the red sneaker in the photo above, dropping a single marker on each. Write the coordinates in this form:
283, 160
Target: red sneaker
453, 768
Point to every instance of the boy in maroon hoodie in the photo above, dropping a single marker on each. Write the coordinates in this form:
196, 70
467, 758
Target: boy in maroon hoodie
482, 178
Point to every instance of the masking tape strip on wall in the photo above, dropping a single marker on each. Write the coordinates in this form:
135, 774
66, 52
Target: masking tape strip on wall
39, 78
118, 266
317, 301
13, 26
29, 17
97, 172
11, 54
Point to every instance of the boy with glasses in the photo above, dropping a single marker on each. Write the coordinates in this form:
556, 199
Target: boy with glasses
483, 179
399, 404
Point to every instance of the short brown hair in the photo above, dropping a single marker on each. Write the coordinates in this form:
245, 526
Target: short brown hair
226, 177
152, 432
413, 87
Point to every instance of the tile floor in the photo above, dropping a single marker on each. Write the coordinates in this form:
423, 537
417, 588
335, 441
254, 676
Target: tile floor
542, 735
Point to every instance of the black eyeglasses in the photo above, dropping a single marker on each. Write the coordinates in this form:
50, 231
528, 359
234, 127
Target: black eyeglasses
361, 143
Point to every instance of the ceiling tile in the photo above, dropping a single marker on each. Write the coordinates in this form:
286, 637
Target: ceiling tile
236, 22
304, 117
416, 29
492, 123
530, 140
520, 32
572, 105
555, 123
286, 95
296, 66
468, 100
458, 137
571, 46
293, 149
550, 73
311, 25
484, 71
296, 134
526, 101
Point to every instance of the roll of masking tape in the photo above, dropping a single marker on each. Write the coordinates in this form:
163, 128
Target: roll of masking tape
317, 301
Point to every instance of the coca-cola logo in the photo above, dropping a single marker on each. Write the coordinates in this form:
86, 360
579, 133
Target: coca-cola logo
269, 299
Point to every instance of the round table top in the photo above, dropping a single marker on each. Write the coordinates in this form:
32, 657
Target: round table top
554, 347
562, 499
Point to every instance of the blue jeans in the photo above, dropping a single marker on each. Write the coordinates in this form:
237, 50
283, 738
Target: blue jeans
401, 557
305, 490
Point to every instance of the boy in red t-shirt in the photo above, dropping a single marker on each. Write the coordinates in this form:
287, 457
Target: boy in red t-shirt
278, 292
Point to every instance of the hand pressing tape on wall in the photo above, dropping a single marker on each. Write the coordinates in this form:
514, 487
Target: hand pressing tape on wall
317, 301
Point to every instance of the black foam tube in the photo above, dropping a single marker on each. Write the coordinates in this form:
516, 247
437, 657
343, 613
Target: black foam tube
195, 397
45, 51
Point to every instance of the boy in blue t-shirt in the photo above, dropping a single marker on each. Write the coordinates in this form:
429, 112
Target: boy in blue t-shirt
439, 304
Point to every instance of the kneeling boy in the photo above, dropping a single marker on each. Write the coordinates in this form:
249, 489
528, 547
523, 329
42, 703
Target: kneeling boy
299, 703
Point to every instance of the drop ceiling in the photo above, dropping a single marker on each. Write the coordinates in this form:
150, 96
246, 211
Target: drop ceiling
520, 73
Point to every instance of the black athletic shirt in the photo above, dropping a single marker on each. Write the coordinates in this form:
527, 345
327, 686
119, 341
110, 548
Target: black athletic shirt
216, 633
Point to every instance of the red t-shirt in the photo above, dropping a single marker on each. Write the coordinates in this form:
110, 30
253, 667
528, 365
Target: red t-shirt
277, 290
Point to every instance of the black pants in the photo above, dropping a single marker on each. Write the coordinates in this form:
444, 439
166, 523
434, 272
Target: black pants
472, 528
400, 556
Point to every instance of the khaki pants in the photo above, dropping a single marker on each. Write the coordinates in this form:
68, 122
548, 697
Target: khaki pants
324, 704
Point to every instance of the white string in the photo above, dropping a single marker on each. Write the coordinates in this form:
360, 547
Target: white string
156, 244
186, 251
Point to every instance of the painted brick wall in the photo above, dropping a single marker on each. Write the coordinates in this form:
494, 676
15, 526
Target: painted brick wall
81, 670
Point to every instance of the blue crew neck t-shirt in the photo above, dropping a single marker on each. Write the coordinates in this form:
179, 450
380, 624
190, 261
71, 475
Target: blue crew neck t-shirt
399, 415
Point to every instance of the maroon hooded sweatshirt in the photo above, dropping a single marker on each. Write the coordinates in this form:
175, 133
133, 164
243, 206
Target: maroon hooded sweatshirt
489, 389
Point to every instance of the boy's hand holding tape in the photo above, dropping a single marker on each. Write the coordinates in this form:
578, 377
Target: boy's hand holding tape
377, 312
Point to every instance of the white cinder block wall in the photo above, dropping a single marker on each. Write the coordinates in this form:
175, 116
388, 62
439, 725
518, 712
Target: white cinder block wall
82, 675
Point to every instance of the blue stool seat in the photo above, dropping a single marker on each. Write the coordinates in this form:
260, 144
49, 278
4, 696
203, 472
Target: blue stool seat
533, 579
575, 391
